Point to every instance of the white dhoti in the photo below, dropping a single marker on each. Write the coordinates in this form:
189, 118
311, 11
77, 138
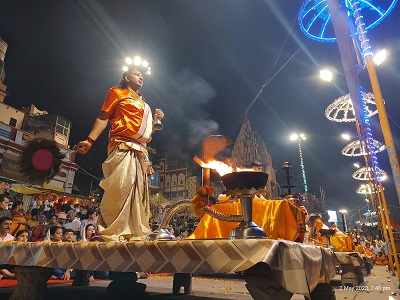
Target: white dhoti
125, 206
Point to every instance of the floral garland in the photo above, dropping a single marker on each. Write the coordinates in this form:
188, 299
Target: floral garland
200, 200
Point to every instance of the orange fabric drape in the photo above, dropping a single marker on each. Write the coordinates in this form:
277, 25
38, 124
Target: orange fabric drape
279, 218
342, 242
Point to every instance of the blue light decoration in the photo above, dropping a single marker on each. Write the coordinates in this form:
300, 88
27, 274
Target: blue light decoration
370, 143
315, 19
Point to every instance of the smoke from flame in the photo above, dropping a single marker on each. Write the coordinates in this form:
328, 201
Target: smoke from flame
220, 167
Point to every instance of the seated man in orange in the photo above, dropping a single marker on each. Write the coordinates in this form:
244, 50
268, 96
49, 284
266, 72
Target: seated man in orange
381, 259
337, 230
369, 252
358, 248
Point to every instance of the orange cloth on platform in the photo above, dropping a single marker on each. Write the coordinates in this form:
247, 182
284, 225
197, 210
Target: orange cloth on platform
279, 218
342, 242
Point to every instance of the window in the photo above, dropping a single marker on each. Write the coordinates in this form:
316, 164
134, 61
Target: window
13, 122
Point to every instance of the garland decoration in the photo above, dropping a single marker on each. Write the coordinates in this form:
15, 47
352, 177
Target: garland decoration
200, 200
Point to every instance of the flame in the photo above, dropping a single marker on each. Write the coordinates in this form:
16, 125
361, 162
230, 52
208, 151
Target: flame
219, 166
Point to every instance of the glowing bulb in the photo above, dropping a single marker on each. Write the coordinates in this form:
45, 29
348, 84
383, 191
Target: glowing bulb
357, 165
380, 57
128, 60
137, 60
382, 178
326, 75
346, 136
294, 137
125, 68
148, 72
145, 64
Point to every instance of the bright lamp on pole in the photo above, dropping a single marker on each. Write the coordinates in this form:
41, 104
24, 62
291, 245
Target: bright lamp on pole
380, 57
326, 75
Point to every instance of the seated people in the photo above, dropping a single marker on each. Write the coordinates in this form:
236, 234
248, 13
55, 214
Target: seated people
73, 223
22, 236
183, 234
18, 216
52, 221
5, 226
68, 235
4, 201
39, 232
91, 235
90, 218
88, 233
56, 235
381, 259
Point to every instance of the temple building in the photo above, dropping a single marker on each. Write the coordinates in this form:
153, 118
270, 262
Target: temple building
250, 149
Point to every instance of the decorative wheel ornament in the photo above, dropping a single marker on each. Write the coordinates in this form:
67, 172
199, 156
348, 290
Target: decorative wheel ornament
341, 110
40, 160
355, 149
366, 173
316, 23
367, 190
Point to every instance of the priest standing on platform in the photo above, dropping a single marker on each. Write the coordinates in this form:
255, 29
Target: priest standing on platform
125, 206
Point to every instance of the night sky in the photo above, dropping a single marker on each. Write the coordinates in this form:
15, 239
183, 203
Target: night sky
209, 60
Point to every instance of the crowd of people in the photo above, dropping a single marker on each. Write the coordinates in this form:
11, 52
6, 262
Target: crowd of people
60, 221
52, 221
376, 249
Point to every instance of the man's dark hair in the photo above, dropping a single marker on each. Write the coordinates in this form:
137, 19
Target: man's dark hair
4, 219
16, 203
65, 230
4, 197
123, 83
89, 212
19, 232
54, 228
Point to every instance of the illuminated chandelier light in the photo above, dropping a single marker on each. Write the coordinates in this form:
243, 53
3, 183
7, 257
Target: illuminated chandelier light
367, 190
137, 61
341, 110
355, 149
366, 173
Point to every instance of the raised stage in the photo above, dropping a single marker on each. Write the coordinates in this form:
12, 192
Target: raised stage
270, 266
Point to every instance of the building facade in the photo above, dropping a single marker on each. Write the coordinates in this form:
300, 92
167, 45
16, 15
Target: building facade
17, 127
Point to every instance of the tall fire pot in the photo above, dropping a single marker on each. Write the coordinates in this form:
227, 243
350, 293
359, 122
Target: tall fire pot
246, 185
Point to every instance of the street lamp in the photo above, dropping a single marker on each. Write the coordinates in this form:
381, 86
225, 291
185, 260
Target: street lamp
299, 138
343, 212
380, 57
346, 136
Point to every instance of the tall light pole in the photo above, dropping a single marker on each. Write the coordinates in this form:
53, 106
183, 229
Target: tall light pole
301, 137
369, 212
